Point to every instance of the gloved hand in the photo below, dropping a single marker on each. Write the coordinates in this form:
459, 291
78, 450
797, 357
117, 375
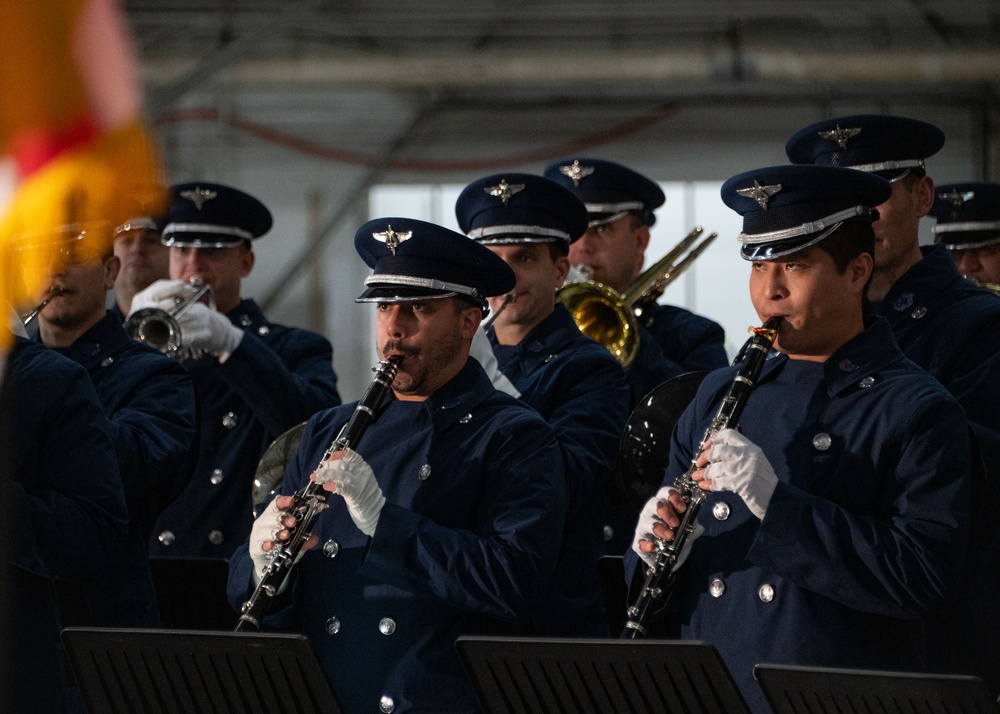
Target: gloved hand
482, 350
160, 294
208, 330
264, 528
353, 478
644, 528
737, 464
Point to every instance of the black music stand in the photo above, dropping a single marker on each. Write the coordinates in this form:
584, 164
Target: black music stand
808, 690
515, 675
169, 671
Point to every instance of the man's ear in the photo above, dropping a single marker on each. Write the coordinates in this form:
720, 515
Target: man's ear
246, 262
861, 269
924, 189
469, 320
112, 266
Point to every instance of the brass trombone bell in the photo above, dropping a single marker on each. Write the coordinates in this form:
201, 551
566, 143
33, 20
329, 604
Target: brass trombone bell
160, 330
609, 317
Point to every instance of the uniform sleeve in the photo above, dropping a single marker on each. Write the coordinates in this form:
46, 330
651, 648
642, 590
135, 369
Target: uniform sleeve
588, 422
155, 432
898, 562
501, 566
71, 516
285, 385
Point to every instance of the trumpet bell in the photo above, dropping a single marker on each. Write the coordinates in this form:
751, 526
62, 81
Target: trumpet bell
602, 315
156, 328
160, 330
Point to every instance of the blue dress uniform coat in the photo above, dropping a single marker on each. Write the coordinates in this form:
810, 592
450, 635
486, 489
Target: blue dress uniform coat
278, 377
149, 400
474, 508
581, 391
864, 532
65, 499
951, 328
690, 342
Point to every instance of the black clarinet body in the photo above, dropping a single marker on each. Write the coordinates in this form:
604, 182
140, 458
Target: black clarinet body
660, 576
310, 501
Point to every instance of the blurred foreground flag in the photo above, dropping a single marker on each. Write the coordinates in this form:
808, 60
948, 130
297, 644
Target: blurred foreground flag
71, 120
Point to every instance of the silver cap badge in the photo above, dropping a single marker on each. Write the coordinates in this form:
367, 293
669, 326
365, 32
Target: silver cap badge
199, 196
575, 172
841, 136
761, 194
391, 238
504, 190
957, 199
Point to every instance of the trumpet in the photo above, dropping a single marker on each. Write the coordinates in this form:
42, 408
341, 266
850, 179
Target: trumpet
27, 317
610, 317
160, 330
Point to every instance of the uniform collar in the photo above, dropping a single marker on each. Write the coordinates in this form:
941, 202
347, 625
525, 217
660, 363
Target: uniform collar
248, 315
105, 338
855, 364
546, 339
922, 283
458, 397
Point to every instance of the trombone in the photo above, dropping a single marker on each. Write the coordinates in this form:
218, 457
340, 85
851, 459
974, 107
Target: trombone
610, 317
160, 330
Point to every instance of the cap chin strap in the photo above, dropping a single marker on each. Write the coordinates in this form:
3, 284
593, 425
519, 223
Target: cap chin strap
832, 222
966, 226
607, 219
891, 166
518, 233
409, 281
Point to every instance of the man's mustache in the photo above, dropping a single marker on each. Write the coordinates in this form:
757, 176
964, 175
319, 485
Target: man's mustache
395, 346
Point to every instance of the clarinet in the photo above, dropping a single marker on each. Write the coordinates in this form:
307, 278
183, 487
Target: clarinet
660, 576
310, 501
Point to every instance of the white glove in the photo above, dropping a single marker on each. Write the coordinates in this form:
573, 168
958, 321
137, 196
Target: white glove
737, 464
644, 529
208, 330
355, 481
482, 350
160, 294
267, 524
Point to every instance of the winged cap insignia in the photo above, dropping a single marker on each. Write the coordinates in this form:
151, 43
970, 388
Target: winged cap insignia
391, 238
957, 199
575, 172
199, 196
504, 190
841, 136
761, 194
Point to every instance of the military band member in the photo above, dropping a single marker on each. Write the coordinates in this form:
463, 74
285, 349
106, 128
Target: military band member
946, 325
149, 400
452, 500
836, 513
573, 382
144, 260
64, 494
621, 205
968, 225
254, 380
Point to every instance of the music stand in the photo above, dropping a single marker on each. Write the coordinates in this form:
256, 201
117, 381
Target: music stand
515, 675
804, 690
169, 671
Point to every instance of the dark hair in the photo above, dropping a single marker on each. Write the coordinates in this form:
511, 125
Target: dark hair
557, 249
846, 243
849, 241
